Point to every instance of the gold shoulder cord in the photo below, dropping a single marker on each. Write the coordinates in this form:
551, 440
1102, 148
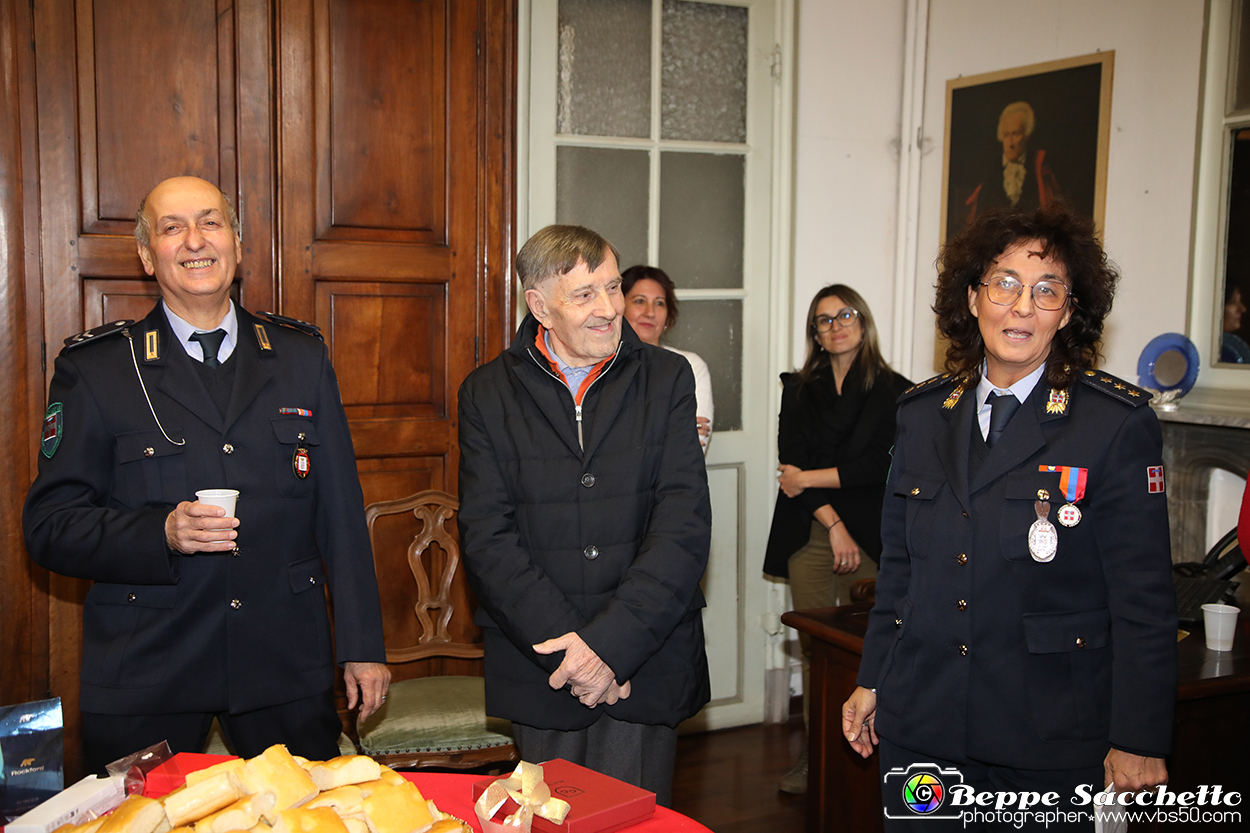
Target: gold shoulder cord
135, 361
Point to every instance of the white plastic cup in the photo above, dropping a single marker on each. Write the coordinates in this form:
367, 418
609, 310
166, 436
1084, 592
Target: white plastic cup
225, 498
1220, 622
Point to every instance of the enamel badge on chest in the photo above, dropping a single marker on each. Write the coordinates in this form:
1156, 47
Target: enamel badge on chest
300, 463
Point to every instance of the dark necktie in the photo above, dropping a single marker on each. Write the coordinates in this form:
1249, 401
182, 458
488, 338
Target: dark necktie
1002, 407
210, 343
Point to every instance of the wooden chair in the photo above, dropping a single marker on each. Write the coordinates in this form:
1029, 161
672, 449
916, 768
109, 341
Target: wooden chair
433, 720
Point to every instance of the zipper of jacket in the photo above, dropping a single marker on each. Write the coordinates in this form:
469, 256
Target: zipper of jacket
577, 408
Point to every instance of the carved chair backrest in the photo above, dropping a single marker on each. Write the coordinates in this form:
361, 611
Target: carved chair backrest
434, 605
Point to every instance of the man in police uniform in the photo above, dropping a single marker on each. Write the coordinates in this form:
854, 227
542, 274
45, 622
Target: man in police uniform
194, 615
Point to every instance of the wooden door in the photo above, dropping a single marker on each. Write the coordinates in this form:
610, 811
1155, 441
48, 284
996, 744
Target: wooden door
387, 139
129, 94
367, 147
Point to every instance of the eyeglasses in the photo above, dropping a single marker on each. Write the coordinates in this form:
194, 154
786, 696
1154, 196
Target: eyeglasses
1006, 290
844, 319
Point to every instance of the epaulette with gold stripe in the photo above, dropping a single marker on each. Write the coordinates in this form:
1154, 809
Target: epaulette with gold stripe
1116, 387
293, 323
96, 333
941, 381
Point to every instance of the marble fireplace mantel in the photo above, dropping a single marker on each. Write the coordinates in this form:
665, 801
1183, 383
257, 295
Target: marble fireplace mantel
1208, 430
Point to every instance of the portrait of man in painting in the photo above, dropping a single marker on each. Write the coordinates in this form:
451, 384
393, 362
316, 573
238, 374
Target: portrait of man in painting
1027, 137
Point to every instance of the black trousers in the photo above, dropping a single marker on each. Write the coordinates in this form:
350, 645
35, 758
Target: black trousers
635, 753
309, 727
982, 777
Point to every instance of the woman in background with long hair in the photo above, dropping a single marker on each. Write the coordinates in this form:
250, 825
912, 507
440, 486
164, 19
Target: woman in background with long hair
833, 444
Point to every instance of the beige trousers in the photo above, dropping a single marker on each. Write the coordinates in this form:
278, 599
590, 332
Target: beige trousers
814, 584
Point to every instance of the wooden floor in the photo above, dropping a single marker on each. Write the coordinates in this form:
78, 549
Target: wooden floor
727, 780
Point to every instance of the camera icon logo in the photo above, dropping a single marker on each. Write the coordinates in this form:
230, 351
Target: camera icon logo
920, 791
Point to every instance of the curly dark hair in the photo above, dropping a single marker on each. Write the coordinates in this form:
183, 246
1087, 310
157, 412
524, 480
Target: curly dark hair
1065, 236
634, 274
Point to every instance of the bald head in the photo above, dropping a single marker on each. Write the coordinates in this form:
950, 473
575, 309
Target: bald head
143, 225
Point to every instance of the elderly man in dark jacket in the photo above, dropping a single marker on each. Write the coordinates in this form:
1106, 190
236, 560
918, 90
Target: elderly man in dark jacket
585, 522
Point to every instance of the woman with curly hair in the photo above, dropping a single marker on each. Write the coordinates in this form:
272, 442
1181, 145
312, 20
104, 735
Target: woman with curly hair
1025, 623
833, 445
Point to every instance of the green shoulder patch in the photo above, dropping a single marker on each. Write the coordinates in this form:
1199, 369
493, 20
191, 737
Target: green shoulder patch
53, 427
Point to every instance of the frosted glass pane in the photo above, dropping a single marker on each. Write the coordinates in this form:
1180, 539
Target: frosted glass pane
606, 190
701, 219
703, 85
603, 84
713, 329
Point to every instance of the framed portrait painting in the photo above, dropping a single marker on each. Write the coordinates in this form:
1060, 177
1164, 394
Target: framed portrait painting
1027, 137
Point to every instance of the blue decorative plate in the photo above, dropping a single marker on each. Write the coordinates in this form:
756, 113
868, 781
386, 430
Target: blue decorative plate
1156, 348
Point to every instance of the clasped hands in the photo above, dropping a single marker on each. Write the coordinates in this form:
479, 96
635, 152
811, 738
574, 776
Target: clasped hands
590, 679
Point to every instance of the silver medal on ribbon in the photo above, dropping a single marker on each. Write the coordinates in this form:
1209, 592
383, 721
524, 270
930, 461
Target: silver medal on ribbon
1043, 539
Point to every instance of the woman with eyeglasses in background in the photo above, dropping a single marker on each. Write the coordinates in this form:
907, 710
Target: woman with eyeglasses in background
1024, 629
833, 444
651, 309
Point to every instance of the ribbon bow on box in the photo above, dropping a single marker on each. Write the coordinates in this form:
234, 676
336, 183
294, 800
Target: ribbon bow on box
526, 787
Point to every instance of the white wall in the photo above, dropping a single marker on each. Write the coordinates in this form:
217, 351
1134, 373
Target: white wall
850, 64
850, 77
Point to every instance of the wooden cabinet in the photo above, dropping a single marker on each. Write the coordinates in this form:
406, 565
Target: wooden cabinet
368, 148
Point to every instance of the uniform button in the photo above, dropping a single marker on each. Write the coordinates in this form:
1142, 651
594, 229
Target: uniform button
965, 513
236, 604
962, 558
898, 623
588, 480
961, 604
130, 597
963, 650
312, 579
915, 491
235, 550
228, 448
1080, 642
149, 451
1042, 494
591, 552
301, 436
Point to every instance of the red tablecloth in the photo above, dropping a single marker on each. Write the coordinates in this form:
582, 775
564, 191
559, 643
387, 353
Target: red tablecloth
454, 794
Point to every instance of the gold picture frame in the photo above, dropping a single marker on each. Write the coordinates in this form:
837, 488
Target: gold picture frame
1065, 106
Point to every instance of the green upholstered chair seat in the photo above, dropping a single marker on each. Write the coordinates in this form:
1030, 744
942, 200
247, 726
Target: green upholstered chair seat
434, 714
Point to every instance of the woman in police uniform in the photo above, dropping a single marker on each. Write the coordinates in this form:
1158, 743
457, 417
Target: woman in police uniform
1024, 627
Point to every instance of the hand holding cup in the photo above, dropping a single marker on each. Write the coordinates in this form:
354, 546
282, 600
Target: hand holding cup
207, 525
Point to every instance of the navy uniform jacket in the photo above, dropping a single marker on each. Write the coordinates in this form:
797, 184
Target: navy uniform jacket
165, 632
979, 651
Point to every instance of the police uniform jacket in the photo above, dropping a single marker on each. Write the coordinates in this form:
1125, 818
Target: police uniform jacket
165, 632
978, 651
600, 527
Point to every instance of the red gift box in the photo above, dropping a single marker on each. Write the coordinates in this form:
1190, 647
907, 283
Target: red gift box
597, 802
172, 774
